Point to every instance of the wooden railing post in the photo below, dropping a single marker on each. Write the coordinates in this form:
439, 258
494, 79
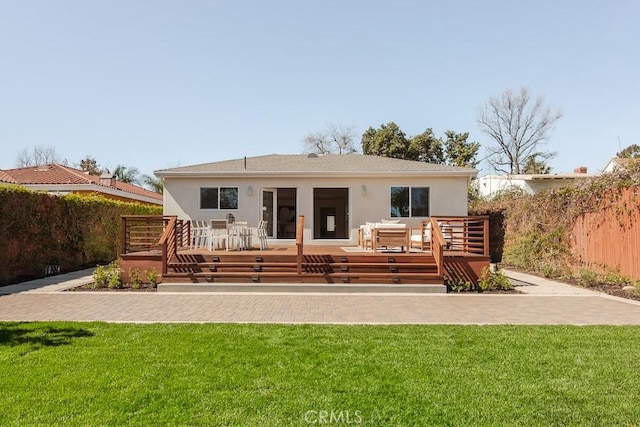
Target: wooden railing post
437, 245
123, 235
299, 243
485, 233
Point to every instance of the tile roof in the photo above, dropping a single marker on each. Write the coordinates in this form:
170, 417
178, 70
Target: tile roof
55, 174
329, 164
5, 177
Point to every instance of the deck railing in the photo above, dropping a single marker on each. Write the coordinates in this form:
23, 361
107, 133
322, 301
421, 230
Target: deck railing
438, 244
299, 243
468, 234
141, 233
154, 233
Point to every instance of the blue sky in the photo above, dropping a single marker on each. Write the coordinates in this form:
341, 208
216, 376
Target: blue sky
158, 84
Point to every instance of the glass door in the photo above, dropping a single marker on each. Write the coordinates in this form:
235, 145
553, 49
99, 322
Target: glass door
279, 209
268, 197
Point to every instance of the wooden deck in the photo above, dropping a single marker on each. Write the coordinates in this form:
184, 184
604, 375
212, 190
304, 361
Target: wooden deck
298, 263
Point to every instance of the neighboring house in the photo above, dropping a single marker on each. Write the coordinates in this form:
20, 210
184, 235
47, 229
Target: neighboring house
490, 185
335, 193
59, 179
617, 163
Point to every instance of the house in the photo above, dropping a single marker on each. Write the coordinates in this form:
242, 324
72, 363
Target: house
335, 193
60, 180
490, 185
618, 163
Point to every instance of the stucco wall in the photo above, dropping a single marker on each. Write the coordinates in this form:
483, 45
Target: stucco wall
448, 196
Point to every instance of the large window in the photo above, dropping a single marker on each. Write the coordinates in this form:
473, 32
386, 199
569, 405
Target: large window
409, 202
219, 198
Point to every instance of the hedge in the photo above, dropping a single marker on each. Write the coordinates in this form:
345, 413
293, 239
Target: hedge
41, 234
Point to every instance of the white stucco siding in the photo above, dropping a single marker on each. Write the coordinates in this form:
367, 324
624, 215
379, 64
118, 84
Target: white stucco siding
448, 196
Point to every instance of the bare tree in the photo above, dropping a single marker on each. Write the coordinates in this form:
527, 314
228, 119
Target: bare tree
336, 139
519, 126
38, 155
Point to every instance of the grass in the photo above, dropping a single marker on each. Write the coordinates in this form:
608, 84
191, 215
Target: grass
272, 375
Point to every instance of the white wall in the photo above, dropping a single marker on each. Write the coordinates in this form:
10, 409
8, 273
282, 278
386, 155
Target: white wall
448, 196
491, 184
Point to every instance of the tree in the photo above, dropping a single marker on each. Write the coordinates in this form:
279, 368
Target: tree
459, 152
38, 155
333, 139
425, 147
519, 126
152, 183
632, 151
89, 164
533, 166
125, 174
390, 141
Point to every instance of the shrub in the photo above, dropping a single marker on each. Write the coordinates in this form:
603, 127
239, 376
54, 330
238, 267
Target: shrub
456, 283
616, 279
100, 277
114, 275
494, 280
587, 278
135, 278
152, 277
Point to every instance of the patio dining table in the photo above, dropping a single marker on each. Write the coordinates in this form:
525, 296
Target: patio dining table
241, 233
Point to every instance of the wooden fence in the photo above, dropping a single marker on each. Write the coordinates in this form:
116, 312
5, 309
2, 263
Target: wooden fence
609, 239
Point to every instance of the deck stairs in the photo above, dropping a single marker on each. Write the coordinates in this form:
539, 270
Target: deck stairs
382, 272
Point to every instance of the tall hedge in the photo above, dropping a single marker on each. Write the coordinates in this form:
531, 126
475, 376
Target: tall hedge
40, 233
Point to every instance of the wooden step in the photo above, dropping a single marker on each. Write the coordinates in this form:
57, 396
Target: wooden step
304, 288
305, 277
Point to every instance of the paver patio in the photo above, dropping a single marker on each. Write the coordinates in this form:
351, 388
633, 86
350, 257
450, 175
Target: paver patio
557, 305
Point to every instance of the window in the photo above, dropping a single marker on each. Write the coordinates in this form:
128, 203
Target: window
409, 202
219, 198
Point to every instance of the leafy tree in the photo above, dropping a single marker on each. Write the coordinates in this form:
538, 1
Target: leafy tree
458, 151
534, 166
390, 141
632, 151
152, 183
128, 175
89, 164
425, 147
333, 139
519, 126
38, 155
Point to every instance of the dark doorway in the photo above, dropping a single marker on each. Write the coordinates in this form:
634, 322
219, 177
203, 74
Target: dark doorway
331, 213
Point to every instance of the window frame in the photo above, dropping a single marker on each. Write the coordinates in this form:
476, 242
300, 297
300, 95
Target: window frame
410, 198
219, 200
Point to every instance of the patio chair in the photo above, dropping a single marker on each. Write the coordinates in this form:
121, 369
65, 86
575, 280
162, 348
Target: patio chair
199, 234
364, 235
422, 236
262, 235
219, 233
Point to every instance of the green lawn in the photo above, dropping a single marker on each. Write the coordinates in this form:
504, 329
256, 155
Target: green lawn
190, 374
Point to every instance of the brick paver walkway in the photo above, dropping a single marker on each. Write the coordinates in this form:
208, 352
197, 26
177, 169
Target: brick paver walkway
50, 303
296, 308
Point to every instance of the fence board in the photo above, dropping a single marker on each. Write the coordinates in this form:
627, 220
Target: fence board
609, 239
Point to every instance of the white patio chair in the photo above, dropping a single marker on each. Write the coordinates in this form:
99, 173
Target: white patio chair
219, 233
199, 234
262, 234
